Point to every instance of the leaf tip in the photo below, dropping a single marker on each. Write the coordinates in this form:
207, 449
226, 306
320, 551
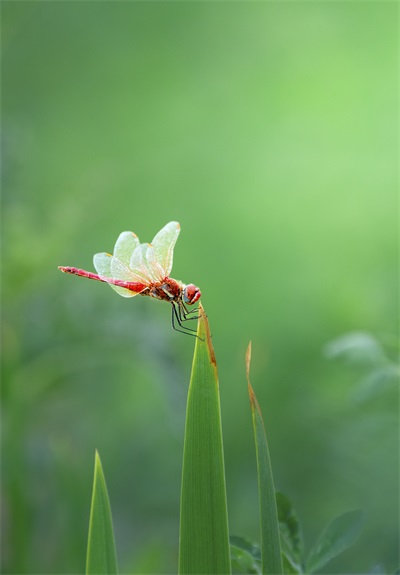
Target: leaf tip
248, 361
252, 396
203, 322
98, 469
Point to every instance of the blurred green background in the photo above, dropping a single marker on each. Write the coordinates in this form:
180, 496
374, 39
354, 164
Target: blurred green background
268, 130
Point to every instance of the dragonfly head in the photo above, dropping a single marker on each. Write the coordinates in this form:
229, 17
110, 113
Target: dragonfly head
191, 294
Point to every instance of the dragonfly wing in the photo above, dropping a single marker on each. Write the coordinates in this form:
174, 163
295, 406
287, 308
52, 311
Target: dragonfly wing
143, 263
120, 271
126, 244
163, 245
156, 270
105, 265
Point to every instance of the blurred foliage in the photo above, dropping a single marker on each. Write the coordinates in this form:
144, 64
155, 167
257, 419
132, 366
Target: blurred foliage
268, 130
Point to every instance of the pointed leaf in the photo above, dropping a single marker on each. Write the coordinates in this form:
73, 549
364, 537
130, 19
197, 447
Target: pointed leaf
270, 540
249, 546
340, 534
357, 347
243, 562
101, 558
291, 537
204, 542
290, 567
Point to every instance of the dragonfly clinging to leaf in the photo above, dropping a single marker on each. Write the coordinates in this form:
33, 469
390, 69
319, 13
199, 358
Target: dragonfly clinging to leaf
143, 269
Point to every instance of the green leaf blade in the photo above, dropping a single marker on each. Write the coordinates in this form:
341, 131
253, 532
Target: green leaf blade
245, 556
204, 540
290, 532
271, 554
340, 534
101, 557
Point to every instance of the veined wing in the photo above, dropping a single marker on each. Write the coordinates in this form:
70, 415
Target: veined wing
124, 247
163, 245
135, 262
107, 266
126, 244
144, 264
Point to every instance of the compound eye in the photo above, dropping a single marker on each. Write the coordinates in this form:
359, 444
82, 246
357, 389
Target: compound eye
191, 294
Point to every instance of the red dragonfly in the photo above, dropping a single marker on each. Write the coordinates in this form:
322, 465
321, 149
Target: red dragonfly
143, 269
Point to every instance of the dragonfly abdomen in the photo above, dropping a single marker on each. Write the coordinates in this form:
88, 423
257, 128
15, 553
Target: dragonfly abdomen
135, 287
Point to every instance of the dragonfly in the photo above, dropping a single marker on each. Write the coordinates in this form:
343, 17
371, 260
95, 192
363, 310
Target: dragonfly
143, 269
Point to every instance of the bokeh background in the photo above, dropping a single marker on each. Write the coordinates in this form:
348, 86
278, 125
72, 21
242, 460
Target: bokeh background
268, 130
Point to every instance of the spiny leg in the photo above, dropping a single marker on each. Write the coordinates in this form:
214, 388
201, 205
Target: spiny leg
177, 314
189, 311
186, 330
184, 312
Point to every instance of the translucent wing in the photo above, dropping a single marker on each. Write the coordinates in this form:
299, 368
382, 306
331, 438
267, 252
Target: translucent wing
157, 271
106, 264
144, 264
163, 245
124, 247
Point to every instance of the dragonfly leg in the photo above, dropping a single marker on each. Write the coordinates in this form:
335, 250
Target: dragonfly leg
184, 312
176, 316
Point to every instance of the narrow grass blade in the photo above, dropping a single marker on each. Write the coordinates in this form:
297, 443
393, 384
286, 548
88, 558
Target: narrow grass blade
340, 534
271, 559
204, 540
101, 558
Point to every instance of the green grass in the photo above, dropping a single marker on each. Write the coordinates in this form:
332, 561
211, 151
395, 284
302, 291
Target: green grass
268, 130
204, 540
271, 555
101, 556
204, 544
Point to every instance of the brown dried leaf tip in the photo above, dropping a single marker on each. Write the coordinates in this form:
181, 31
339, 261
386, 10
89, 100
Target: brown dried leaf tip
203, 316
252, 397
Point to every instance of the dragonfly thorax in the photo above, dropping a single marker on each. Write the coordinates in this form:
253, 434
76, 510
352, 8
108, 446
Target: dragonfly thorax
168, 290
174, 291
